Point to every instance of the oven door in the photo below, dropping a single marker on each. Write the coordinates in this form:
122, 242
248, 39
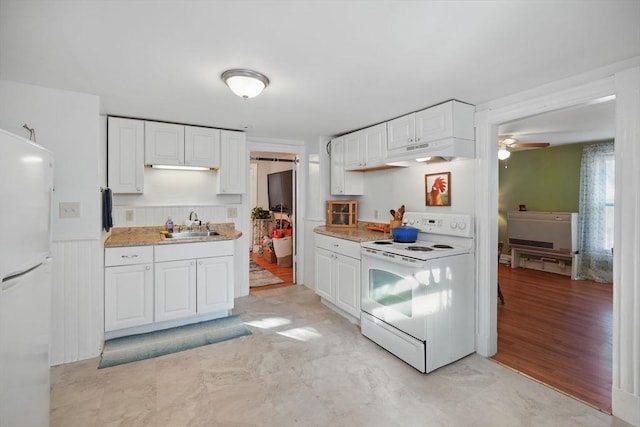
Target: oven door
396, 290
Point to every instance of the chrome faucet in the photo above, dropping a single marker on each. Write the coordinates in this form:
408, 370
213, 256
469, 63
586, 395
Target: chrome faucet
192, 215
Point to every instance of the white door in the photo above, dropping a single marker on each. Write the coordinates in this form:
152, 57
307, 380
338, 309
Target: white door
347, 284
215, 284
175, 285
324, 273
163, 143
128, 296
125, 155
201, 147
400, 133
234, 162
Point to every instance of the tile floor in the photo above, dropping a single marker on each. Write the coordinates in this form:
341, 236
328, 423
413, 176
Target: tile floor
304, 365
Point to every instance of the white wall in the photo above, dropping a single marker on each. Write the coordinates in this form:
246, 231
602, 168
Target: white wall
67, 123
390, 188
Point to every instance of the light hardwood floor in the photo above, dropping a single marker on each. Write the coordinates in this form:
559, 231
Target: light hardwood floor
558, 331
284, 273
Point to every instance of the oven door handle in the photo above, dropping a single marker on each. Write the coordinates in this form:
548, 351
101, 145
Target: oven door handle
393, 258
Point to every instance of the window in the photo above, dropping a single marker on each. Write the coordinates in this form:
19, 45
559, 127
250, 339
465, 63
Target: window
595, 229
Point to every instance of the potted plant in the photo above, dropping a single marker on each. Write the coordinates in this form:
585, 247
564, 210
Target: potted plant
259, 213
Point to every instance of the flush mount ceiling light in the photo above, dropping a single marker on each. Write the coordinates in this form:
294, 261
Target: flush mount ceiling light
245, 83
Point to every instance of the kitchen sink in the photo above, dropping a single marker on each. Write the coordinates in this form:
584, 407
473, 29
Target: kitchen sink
191, 234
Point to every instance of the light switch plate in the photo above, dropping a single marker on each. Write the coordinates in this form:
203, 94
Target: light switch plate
232, 212
129, 215
69, 210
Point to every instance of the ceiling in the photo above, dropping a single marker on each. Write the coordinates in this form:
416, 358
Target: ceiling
334, 66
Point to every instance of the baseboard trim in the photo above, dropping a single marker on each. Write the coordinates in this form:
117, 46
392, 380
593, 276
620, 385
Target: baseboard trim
625, 406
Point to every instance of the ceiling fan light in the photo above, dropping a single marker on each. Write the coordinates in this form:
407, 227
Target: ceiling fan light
245, 83
508, 141
503, 154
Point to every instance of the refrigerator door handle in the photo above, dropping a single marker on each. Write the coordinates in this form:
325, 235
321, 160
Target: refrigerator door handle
17, 275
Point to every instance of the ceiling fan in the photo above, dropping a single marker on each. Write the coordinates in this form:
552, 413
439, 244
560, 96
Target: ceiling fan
507, 143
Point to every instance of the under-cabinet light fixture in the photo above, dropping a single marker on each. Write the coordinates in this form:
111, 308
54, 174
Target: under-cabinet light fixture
178, 167
245, 83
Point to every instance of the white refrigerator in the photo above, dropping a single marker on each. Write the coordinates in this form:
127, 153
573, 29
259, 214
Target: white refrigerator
26, 185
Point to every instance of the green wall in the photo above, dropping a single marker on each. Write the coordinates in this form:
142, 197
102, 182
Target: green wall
545, 179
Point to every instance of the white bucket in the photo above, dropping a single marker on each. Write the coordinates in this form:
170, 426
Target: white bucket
283, 246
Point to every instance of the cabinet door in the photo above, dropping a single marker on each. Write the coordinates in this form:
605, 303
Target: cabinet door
201, 147
353, 151
164, 143
343, 182
324, 274
374, 142
128, 296
175, 286
125, 154
347, 284
434, 123
215, 284
400, 134
234, 163
337, 166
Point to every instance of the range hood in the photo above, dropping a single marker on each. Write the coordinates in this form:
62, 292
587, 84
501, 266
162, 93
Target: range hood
448, 149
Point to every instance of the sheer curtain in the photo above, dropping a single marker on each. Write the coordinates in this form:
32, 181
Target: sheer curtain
595, 225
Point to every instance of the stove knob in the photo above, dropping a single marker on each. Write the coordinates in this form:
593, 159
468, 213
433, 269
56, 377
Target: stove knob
462, 225
411, 220
454, 225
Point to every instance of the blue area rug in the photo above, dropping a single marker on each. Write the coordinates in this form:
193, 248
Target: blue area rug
153, 344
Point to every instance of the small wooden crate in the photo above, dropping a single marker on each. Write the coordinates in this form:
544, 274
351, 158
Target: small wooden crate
342, 213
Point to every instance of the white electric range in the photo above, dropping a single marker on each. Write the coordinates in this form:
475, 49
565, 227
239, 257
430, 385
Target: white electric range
418, 298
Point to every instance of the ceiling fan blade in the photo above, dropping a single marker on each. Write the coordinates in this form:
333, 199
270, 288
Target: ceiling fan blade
529, 145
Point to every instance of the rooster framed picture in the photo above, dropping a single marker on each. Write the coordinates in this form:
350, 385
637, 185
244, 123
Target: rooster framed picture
438, 189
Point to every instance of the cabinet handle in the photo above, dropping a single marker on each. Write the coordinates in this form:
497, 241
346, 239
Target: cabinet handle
129, 256
417, 139
335, 245
200, 262
138, 189
410, 139
147, 268
192, 263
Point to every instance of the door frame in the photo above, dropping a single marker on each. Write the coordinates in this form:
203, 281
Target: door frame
624, 83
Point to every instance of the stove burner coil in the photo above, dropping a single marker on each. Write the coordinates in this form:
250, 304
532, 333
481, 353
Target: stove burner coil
442, 246
383, 242
419, 248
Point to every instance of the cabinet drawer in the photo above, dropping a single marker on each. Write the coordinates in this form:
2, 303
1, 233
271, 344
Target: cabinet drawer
128, 255
193, 250
341, 246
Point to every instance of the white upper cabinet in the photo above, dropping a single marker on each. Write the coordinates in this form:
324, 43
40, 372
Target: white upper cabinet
343, 182
425, 132
125, 155
164, 144
201, 147
366, 148
234, 161
179, 145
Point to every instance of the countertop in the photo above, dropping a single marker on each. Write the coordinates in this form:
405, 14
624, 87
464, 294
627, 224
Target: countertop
141, 236
356, 234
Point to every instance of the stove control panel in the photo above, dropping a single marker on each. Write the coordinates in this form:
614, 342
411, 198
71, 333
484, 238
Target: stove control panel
460, 225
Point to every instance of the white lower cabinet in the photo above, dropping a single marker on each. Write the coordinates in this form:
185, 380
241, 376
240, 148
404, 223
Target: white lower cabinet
175, 288
147, 285
338, 273
214, 284
128, 290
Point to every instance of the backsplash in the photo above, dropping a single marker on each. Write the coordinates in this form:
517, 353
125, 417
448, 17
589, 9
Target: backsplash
138, 216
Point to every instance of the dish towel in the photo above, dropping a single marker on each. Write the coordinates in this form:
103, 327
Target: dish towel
107, 206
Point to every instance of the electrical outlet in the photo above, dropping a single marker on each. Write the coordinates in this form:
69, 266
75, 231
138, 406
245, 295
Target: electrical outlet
129, 215
69, 210
232, 212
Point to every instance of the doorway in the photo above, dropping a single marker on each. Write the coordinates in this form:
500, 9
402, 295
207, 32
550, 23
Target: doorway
551, 328
273, 177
